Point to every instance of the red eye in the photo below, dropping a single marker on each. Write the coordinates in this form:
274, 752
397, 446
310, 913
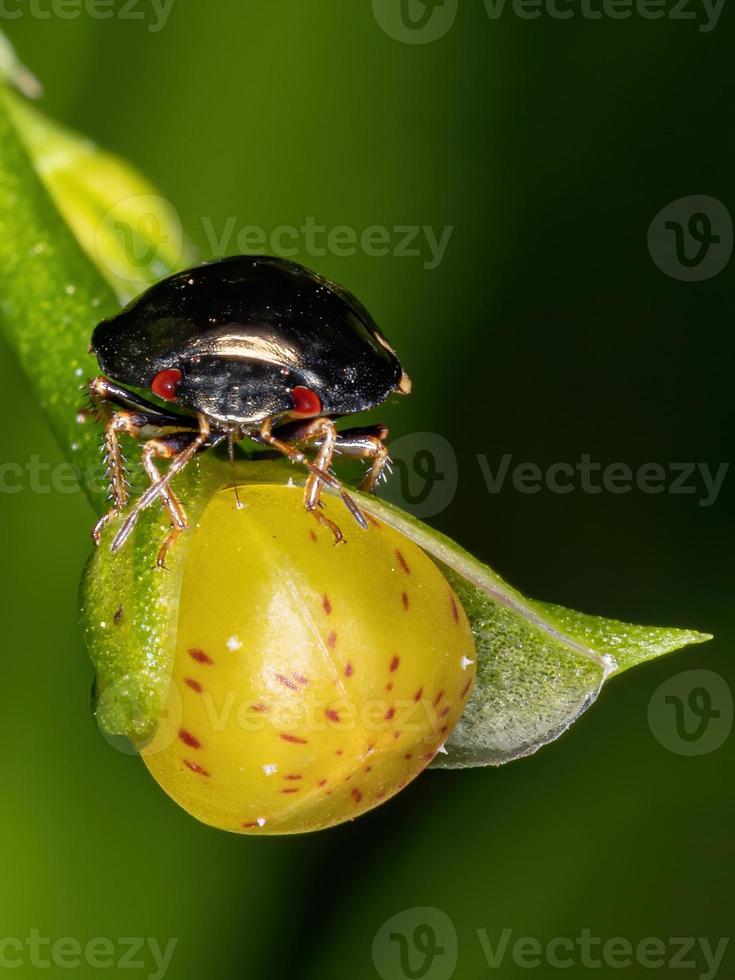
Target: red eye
305, 401
165, 384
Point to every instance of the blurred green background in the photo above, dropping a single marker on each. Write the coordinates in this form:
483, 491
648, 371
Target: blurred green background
547, 332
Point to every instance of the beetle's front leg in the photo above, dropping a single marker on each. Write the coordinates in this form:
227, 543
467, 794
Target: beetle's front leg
133, 416
115, 465
322, 431
166, 447
366, 442
180, 447
323, 434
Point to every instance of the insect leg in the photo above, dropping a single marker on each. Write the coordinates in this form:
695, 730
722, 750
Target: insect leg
306, 433
166, 448
322, 434
118, 422
105, 393
137, 418
159, 489
366, 443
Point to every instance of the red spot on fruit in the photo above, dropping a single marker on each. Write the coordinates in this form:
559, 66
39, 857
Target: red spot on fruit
292, 776
322, 782
356, 795
332, 714
194, 685
390, 713
195, 767
417, 695
372, 520
290, 789
200, 656
286, 682
312, 535
188, 739
402, 562
332, 639
466, 688
368, 768
349, 669
444, 712
408, 755
404, 600
396, 734
305, 401
438, 698
252, 823
261, 708
300, 679
295, 739
394, 664
340, 752
389, 686
455, 608
327, 605
165, 383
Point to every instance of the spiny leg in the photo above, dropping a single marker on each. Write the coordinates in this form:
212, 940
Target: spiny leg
137, 418
160, 487
322, 434
115, 464
166, 448
367, 442
309, 432
104, 393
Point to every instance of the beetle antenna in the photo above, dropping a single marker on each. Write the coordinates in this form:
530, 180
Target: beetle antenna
231, 454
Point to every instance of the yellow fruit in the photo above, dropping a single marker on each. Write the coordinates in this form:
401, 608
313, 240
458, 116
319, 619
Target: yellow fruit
311, 682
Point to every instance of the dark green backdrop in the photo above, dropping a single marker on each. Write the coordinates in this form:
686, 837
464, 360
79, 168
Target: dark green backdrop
547, 332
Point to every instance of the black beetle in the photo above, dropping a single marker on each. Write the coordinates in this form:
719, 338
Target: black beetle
255, 347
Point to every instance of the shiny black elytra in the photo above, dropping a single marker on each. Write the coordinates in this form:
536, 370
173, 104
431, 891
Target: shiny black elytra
252, 347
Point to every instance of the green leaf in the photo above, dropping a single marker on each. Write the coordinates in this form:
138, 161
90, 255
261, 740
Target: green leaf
130, 232
539, 665
78, 234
